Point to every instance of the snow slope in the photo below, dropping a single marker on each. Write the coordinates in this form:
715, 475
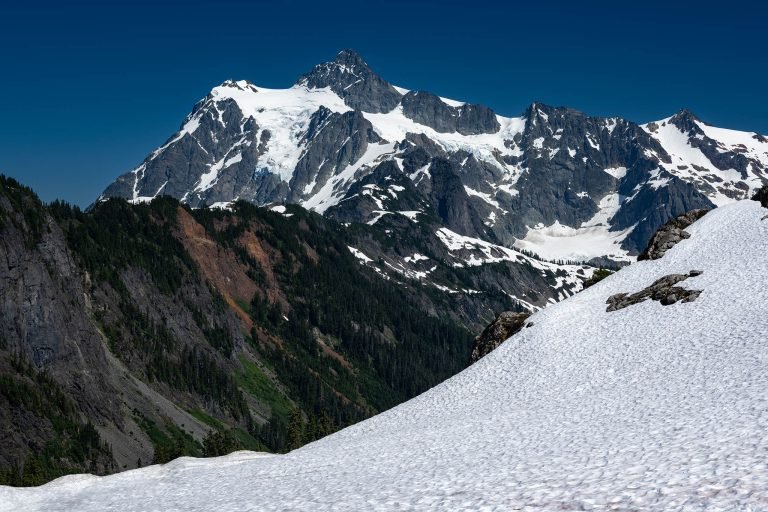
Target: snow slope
647, 408
591, 240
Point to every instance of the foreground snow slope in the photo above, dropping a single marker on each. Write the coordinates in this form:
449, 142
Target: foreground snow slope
647, 408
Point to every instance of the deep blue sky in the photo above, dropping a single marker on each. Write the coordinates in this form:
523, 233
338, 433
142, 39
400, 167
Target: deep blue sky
87, 89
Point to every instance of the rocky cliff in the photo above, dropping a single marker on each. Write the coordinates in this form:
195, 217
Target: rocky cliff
132, 334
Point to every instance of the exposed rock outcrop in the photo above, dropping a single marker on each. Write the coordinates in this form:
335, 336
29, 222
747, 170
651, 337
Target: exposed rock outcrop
428, 109
505, 325
350, 77
662, 290
762, 196
670, 234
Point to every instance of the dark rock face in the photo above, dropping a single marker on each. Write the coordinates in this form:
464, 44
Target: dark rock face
223, 134
607, 263
350, 77
670, 234
450, 200
762, 196
662, 290
333, 141
506, 324
385, 187
428, 109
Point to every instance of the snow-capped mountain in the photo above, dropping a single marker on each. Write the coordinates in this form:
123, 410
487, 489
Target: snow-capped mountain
588, 407
344, 142
724, 164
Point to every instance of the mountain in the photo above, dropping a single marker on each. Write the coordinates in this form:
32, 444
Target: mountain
658, 404
347, 144
133, 334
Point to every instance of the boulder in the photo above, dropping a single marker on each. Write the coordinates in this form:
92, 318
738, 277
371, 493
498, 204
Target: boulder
505, 325
662, 290
670, 234
762, 196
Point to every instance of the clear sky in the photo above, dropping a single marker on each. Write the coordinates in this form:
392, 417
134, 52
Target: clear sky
88, 89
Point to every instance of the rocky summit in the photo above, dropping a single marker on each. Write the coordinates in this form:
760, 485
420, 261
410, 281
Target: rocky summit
553, 183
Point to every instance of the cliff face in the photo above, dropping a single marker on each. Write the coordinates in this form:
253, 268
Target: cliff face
53, 317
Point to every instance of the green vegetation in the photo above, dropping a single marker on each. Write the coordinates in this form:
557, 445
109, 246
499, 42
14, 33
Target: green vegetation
197, 371
207, 419
383, 348
169, 442
598, 275
254, 381
24, 202
336, 346
116, 235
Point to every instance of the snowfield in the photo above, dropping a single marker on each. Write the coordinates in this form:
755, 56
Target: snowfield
647, 408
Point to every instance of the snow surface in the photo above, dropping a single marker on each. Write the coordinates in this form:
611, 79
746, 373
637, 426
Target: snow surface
357, 253
286, 113
648, 408
592, 239
394, 125
333, 190
472, 252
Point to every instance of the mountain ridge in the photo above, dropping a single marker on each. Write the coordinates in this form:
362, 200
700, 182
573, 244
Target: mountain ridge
347, 144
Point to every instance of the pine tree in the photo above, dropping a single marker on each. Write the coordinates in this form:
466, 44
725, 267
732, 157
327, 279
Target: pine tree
295, 430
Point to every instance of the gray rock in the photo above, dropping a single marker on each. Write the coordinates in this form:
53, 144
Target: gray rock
506, 324
428, 109
670, 234
350, 77
662, 290
333, 141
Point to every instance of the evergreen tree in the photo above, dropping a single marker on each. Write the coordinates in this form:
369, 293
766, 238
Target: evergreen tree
295, 430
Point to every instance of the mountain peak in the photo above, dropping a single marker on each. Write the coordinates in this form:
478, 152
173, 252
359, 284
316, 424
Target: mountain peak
349, 57
354, 81
347, 66
686, 121
685, 113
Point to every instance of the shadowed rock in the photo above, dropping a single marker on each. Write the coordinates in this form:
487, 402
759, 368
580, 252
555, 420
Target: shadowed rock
428, 109
762, 196
350, 77
505, 325
670, 234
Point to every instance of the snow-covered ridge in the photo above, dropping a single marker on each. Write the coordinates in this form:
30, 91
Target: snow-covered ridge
291, 108
648, 408
723, 182
286, 114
